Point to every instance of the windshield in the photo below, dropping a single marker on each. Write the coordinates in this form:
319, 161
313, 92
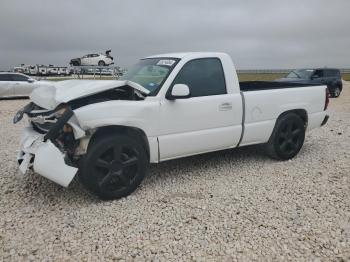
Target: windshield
301, 73
151, 72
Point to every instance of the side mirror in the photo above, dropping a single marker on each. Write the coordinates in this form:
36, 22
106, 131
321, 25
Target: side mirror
30, 80
315, 77
179, 91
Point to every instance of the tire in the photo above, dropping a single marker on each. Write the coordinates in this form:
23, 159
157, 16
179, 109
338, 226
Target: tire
287, 137
101, 63
336, 92
76, 62
114, 166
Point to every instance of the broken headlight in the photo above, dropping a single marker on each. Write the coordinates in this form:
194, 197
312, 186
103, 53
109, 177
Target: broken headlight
61, 110
20, 113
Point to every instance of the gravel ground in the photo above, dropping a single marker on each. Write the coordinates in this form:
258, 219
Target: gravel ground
224, 206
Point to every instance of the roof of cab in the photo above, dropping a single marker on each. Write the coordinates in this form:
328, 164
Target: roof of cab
184, 54
319, 68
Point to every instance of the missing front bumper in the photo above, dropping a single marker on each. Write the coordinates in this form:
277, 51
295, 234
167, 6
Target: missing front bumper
44, 157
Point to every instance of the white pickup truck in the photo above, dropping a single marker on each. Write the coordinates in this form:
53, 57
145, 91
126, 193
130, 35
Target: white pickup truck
166, 107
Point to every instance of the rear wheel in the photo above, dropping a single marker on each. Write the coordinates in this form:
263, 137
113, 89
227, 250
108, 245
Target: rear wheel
287, 137
336, 92
114, 166
101, 63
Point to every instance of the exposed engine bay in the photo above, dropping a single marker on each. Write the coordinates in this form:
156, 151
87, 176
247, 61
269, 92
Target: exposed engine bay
60, 126
120, 93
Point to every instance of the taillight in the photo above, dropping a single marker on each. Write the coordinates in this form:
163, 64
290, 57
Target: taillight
326, 102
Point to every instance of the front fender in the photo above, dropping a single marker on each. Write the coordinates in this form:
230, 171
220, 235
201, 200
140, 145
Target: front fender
140, 114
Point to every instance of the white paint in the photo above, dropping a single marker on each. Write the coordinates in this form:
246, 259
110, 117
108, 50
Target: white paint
49, 162
197, 142
51, 95
48, 159
192, 125
17, 85
180, 90
174, 128
264, 107
93, 59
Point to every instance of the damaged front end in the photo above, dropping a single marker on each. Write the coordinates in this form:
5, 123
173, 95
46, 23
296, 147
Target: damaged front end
54, 142
49, 143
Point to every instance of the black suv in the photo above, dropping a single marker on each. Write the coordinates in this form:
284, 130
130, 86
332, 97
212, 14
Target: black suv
324, 76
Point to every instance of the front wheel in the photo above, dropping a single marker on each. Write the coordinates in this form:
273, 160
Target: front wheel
76, 62
287, 137
114, 166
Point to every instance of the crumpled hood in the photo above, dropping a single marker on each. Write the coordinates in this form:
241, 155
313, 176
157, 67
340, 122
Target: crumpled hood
50, 95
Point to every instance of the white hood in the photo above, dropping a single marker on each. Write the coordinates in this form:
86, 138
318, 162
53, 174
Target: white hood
52, 94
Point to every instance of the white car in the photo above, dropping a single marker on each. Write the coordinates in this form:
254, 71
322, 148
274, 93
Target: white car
93, 60
17, 85
166, 107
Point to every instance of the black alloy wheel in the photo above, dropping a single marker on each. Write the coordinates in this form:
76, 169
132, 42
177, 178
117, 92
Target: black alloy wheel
287, 138
101, 63
114, 166
290, 137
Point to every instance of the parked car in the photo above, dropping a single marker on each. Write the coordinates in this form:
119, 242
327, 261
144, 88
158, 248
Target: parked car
93, 60
18, 69
17, 85
165, 107
325, 76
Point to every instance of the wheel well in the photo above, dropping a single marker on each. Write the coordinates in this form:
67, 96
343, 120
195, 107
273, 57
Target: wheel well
300, 112
125, 130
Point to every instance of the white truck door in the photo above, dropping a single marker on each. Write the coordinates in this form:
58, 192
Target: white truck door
210, 119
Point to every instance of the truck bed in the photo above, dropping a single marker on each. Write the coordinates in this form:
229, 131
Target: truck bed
268, 85
263, 108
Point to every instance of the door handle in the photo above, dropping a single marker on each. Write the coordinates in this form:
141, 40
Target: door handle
225, 106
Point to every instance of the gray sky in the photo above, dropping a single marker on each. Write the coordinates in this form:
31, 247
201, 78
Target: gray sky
256, 33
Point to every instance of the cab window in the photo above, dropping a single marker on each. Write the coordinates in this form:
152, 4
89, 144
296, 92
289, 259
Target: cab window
204, 77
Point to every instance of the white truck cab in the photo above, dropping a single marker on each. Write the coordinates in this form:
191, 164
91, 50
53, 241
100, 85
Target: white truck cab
167, 106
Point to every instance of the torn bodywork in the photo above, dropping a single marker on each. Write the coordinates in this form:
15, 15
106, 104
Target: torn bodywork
54, 141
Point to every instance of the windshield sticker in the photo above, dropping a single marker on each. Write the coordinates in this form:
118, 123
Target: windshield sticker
166, 62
